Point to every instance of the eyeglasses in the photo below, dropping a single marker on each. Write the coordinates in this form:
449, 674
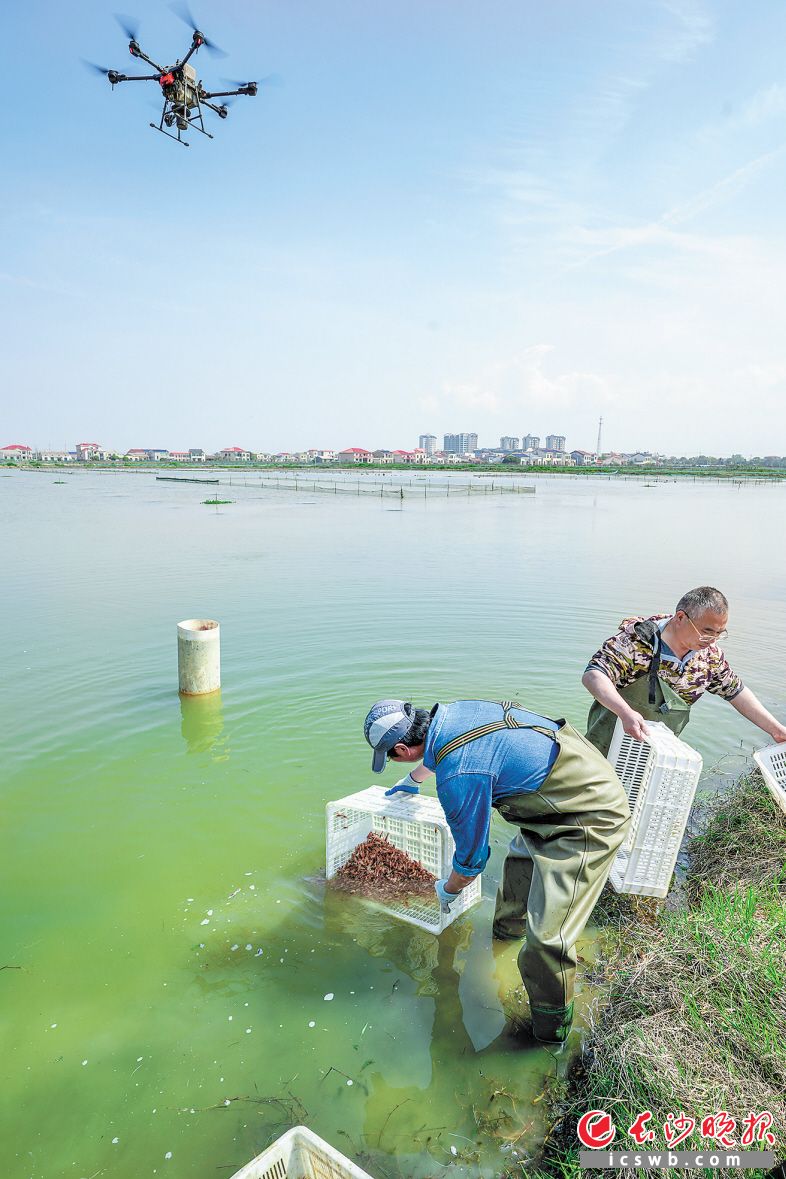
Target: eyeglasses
713, 635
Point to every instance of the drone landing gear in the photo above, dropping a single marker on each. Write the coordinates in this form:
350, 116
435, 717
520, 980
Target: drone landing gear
178, 116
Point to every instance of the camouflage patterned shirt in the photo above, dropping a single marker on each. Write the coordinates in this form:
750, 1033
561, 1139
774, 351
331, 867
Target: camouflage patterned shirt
626, 656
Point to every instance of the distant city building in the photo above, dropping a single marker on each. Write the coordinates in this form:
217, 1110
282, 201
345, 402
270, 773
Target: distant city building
555, 442
427, 442
530, 442
460, 443
508, 443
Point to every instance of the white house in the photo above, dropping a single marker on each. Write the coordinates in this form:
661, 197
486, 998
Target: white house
16, 451
584, 458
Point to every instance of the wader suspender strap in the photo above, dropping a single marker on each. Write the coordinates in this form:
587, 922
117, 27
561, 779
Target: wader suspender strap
508, 722
654, 668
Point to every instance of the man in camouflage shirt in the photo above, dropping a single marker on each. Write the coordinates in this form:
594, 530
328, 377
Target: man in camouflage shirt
656, 668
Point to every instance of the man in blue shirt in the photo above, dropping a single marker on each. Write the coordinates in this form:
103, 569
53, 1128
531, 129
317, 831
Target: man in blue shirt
545, 778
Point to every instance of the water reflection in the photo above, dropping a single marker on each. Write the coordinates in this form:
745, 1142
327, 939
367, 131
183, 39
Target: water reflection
434, 1096
202, 725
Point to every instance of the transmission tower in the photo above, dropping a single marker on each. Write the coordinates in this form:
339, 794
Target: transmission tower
600, 432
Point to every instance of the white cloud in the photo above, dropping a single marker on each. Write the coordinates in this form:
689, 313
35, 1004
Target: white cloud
694, 27
767, 103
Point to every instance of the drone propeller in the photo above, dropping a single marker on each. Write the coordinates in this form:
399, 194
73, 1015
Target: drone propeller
268, 80
113, 75
222, 108
182, 10
129, 25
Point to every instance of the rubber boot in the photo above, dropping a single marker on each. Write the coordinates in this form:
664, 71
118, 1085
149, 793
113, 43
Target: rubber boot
551, 1025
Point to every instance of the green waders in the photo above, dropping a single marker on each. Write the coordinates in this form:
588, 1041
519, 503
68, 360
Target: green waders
572, 827
648, 694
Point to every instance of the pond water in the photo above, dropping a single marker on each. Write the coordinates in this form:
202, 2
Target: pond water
167, 940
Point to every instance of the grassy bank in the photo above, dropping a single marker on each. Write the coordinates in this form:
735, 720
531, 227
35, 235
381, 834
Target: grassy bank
695, 1003
640, 471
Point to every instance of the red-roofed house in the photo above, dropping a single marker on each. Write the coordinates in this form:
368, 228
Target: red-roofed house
409, 456
16, 451
235, 454
87, 450
355, 454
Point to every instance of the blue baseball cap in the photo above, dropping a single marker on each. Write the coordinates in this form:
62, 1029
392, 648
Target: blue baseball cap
388, 722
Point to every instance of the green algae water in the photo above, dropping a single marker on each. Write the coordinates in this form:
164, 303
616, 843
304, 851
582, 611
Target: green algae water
178, 986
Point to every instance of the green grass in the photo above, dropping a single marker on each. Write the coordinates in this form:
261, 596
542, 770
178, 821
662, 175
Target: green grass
695, 1004
217, 501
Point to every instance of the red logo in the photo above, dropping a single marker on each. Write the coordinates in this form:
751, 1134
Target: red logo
596, 1129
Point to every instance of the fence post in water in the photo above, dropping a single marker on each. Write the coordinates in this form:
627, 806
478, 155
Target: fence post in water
198, 656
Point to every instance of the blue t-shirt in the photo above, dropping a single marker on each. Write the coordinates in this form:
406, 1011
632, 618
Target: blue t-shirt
485, 771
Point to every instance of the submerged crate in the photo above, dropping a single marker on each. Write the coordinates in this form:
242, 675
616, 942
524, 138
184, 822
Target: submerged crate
416, 825
659, 776
772, 763
300, 1154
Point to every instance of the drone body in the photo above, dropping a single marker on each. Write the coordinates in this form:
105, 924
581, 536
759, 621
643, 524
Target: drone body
182, 91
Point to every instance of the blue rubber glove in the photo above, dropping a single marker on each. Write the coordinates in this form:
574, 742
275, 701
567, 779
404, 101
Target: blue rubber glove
407, 785
444, 897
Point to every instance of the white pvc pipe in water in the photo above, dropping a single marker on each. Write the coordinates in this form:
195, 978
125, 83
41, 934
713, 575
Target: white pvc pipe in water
198, 656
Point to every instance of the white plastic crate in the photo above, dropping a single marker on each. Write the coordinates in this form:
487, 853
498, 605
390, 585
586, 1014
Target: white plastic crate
659, 776
416, 825
772, 763
300, 1154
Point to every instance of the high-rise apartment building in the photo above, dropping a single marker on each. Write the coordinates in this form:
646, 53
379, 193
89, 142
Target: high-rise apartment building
530, 442
460, 443
427, 442
508, 443
555, 442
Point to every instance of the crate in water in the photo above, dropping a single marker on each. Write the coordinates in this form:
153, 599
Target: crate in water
300, 1154
416, 825
659, 776
772, 763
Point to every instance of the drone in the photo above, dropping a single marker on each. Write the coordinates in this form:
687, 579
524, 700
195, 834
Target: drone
183, 93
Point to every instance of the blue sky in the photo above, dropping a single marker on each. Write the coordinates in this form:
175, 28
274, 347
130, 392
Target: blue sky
448, 216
